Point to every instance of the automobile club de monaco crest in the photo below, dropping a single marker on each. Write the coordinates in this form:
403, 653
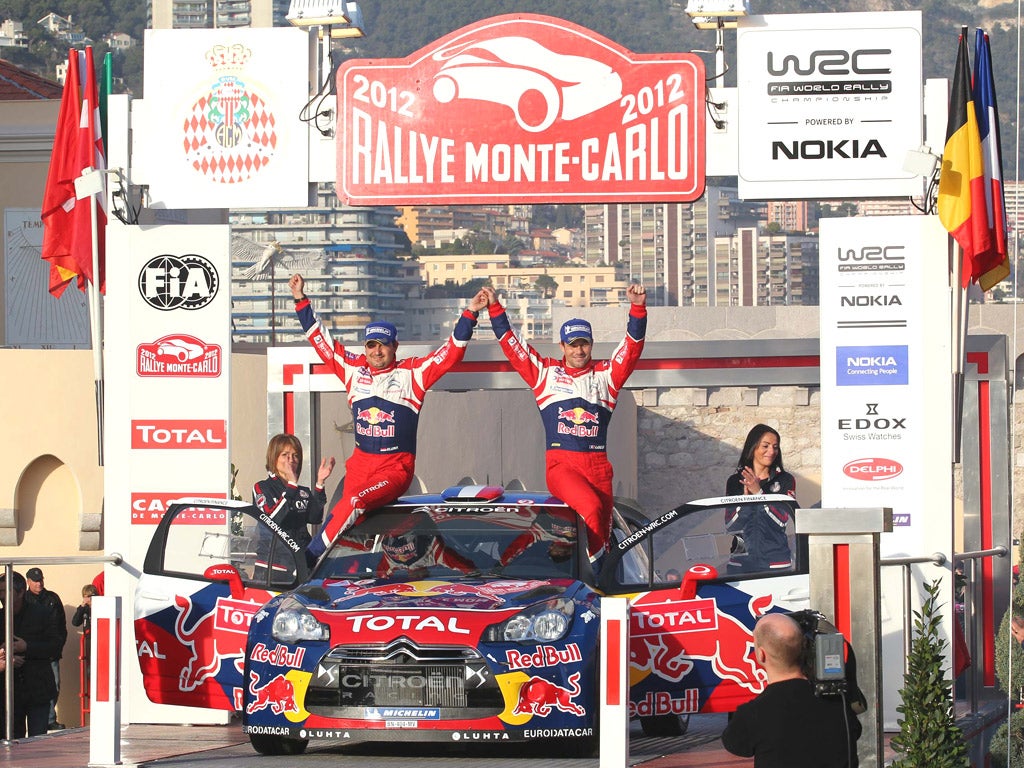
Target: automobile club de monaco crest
229, 135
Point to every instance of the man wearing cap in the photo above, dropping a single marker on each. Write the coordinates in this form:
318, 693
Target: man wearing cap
33, 644
576, 396
386, 395
54, 607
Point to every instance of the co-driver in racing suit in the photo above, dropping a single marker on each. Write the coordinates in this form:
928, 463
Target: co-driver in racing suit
576, 396
386, 396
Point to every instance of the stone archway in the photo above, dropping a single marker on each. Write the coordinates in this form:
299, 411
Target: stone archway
46, 521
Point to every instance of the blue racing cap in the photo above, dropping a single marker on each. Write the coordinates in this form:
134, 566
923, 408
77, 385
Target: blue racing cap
576, 329
384, 332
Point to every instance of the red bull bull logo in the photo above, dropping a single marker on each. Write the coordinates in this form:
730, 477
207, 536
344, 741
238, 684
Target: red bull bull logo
278, 695
666, 637
369, 421
579, 418
538, 696
212, 637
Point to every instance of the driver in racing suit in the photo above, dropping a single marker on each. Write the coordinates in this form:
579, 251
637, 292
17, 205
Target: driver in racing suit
386, 395
576, 396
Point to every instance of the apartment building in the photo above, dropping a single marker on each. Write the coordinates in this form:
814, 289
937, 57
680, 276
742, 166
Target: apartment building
217, 14
572, 286
349, 256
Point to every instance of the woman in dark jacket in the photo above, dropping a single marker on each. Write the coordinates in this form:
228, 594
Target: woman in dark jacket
760, 530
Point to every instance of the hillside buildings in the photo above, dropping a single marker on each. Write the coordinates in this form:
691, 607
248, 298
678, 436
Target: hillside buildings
217, 14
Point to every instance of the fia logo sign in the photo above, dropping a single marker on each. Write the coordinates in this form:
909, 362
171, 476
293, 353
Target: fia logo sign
169, 282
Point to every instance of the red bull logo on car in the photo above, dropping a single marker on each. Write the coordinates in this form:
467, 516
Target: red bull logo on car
369, 421
539, 697
543, 656
662, 703
278, 695
579, 418
230, 619
667, 637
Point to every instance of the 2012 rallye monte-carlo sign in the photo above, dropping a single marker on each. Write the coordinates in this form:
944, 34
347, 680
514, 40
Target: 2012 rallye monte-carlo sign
521, 108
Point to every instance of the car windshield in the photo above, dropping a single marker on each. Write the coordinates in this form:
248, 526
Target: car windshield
441, 540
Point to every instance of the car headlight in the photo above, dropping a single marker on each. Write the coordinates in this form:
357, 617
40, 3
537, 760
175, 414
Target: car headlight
544, 622
294, 622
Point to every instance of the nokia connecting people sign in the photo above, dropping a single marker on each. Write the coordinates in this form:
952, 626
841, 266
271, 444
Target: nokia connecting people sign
521, 108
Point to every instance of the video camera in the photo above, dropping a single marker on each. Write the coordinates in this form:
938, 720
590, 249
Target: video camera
829, 662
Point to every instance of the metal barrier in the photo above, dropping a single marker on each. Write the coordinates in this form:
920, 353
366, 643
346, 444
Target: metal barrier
8, 565
940, 560
970, 616
84, 681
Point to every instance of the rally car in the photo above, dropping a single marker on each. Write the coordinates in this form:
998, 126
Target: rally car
470, 615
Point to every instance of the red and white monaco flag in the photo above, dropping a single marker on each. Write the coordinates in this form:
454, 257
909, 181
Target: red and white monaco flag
77, 145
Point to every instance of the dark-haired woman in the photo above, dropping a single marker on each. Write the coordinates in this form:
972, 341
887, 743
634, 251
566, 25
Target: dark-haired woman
760, 530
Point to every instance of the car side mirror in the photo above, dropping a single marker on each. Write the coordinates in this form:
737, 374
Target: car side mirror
693, 577
229, 574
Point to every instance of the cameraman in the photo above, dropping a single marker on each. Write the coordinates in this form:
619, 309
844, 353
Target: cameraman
787, 726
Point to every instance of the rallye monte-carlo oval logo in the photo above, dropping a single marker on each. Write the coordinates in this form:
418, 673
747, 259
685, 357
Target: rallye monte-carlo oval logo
580, 118
872, 469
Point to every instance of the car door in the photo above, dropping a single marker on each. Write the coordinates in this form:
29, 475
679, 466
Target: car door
211, 565
698, 578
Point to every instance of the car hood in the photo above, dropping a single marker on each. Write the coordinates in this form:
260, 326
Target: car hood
436, 594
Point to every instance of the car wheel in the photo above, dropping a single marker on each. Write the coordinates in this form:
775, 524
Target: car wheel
665, 725
277, 745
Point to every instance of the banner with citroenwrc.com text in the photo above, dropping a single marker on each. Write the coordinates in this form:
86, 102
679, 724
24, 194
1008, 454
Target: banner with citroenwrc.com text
886, 382
521, 108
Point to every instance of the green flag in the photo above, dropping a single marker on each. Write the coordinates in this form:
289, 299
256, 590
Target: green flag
106, 86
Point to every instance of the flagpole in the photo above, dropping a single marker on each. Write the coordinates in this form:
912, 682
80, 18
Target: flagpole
960, 309
90, 184
96, 325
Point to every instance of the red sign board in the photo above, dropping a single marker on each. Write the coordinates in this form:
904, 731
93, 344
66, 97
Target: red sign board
521, 108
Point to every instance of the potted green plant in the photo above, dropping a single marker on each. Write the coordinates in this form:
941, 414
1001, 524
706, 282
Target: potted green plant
929, 736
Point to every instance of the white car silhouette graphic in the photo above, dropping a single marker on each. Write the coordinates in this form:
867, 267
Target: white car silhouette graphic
537, 84
180, 349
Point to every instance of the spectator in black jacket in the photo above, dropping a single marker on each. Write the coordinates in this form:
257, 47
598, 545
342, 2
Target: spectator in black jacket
34, 644
38, 593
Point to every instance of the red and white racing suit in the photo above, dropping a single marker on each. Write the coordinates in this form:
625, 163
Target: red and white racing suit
385, 413
576, 406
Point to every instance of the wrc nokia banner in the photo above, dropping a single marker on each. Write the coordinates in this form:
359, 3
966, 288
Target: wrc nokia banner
838, 99
521, 108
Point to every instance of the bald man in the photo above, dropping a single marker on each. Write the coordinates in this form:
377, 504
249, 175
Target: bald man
787, 726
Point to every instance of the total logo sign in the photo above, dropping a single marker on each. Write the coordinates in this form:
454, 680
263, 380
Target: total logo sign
180, 434
873, 469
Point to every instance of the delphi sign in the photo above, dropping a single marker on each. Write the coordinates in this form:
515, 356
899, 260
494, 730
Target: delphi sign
521, 108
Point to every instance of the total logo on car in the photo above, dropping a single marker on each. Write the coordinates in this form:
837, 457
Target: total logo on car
472, 614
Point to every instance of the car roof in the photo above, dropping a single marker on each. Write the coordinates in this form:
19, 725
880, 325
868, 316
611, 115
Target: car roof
476, 495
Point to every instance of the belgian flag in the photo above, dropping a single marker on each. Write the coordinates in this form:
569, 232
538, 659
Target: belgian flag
961, 202
993, 266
